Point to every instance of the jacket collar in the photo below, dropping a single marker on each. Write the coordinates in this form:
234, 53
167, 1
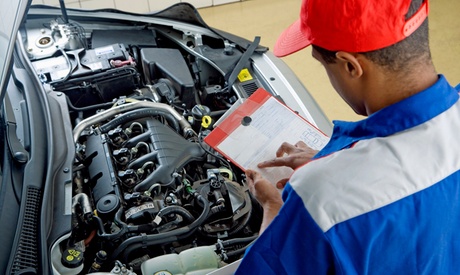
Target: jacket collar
400, 116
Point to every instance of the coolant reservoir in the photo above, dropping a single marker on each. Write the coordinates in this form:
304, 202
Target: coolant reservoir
68, 261
194, 261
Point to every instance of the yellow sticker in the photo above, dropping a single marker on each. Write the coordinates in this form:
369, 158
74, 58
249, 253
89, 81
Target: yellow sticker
244, 75
69, 258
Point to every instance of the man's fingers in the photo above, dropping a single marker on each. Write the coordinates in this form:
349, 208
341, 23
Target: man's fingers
285, 148
250, 176
301, 145
272, 163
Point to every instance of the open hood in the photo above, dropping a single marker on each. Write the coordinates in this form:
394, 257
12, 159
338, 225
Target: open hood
11, 14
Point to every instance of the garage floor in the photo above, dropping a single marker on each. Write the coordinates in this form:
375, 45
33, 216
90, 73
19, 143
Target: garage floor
268, 18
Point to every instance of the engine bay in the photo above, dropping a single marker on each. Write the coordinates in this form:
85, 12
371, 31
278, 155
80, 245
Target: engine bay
148, 195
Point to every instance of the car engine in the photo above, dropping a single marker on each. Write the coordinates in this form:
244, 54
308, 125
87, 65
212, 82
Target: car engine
148, 195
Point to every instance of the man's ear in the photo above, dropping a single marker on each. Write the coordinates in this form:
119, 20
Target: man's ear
350, 63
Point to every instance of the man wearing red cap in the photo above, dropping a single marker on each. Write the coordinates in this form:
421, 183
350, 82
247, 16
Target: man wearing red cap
383, 195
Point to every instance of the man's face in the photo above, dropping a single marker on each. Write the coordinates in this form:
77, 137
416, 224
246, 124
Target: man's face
345, 86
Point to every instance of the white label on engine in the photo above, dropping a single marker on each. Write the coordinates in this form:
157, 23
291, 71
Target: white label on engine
138, 209
59, 74
104, 50
95, 66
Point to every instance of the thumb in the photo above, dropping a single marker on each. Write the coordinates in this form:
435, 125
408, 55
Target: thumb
251, 176
281, 183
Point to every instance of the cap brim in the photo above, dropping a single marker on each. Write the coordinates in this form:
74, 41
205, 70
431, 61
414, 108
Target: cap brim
291, 41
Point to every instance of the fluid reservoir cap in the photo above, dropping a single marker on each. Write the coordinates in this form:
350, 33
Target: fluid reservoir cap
198, 111
72, 257
108, 205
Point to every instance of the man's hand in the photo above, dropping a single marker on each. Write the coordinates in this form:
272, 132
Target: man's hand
266, 194
290, 155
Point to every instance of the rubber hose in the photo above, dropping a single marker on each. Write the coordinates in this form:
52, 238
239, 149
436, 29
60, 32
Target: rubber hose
154, 239
175, 209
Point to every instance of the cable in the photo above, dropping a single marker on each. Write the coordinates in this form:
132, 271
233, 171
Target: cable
87, 108
80, 31
215, 155
68, 63
239, 251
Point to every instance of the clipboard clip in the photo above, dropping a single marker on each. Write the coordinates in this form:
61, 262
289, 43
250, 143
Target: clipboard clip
245, 121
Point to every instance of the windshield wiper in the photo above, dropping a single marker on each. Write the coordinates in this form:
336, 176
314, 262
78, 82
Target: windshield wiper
17, 150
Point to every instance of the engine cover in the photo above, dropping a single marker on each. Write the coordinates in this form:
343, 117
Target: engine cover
173, 153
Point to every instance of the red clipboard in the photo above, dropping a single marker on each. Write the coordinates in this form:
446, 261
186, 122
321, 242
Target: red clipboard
253, 132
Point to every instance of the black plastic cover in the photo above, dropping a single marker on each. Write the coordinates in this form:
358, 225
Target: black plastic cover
174, 152
108, 205
101, 87
169, 63
139, 38
83, 62
101, 171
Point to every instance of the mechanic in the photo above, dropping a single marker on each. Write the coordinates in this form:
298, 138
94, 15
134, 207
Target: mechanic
382, 197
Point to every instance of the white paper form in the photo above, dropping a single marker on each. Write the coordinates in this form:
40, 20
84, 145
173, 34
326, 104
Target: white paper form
271, 125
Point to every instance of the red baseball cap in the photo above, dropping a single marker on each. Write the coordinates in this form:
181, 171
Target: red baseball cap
350, 25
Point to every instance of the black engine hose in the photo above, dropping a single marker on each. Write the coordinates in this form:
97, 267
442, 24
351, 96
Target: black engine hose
135, 140
87, 108
148, 181
101, 231
240, 251
140, 113
237, 241
163, 238
216, 209
223, 245
175, 209
143, 159
241, 225
123, 226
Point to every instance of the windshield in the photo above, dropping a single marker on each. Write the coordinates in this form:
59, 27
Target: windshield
11, 13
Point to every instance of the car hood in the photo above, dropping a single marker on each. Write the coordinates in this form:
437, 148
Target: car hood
11, 14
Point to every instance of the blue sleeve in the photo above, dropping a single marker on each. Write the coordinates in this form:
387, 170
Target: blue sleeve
291, 244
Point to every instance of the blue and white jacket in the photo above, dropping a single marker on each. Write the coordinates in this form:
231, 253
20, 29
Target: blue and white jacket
383, 197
